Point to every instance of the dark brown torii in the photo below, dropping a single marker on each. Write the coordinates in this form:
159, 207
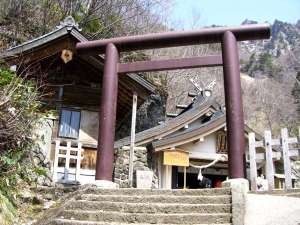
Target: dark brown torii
227, 36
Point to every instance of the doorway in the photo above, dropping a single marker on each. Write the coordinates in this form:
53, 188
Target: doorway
192, 181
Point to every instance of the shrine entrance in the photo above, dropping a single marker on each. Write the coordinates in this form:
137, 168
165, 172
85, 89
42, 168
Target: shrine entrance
192, 182
229, 59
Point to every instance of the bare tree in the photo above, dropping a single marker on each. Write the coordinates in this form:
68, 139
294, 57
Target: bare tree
268, 104
177, 83
22, 20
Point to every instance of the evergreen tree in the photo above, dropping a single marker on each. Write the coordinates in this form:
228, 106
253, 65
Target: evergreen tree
296, 93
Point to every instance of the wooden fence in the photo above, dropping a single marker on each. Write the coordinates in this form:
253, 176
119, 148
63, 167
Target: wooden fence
67, 152
280, 148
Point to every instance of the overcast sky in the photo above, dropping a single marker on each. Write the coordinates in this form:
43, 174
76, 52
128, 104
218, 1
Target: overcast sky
232, 12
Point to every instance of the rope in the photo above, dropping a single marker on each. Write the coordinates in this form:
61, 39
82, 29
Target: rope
221, 158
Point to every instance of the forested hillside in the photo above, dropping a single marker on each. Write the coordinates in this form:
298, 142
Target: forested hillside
23, 20
275, 64
270, 67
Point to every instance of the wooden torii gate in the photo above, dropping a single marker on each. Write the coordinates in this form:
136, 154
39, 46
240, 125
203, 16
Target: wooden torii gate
227, 36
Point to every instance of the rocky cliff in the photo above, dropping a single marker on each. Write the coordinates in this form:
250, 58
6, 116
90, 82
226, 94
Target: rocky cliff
278, 57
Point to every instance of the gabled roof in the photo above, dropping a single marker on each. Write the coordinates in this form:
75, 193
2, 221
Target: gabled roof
173, 132
190, 134
156, 133
61, 31
68, 27
217, 121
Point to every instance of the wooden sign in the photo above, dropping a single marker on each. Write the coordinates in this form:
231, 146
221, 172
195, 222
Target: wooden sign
221, 142
176, 158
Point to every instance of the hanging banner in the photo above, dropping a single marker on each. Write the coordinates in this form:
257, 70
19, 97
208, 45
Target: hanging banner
176, 158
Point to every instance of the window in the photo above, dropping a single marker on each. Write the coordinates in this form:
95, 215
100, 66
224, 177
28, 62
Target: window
69, 124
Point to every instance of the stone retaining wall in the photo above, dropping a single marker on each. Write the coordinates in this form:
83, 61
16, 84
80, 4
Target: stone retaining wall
121, 166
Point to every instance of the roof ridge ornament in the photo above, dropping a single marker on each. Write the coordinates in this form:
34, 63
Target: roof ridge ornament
69, 21
204, 90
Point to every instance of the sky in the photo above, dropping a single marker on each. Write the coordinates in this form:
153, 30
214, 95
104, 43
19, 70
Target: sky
232, 12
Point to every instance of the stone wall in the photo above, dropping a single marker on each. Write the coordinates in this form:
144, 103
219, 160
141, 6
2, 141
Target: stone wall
148, 115
141, 162
40, 153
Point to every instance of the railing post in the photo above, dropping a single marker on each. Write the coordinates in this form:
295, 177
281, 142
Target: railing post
269, 160
234, 106
252, 156
107, 116
286, 158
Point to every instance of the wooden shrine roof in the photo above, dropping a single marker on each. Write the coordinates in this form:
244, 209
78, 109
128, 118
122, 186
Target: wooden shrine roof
171, 125
173, 132
81, 77
65, 36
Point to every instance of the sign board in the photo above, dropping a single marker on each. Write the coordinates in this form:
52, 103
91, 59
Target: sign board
176, 158
221, 142
144, 179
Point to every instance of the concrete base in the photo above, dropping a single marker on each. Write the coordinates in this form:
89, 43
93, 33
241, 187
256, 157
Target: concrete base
105, 184
239, 189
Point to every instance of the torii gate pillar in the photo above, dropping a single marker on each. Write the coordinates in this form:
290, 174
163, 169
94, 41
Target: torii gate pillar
107, 116
234, 106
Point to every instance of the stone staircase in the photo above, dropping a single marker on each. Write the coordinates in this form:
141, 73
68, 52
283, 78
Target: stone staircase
94, 206
279, 192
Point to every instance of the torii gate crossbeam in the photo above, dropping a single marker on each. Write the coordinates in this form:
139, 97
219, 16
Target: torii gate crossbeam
227, 36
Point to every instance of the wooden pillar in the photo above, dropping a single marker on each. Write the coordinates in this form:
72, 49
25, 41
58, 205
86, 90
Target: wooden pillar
132, 137
168, 177
286, 159
55, 164
269, 160
253, 167
78, 161
184, 177
107, 116
234, 106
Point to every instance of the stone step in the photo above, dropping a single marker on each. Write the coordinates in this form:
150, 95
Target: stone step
80, 222
54, 193
149, 208
288, 193
158, 218
279, 192
294, 190
214, 199
176, 192
295, 195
